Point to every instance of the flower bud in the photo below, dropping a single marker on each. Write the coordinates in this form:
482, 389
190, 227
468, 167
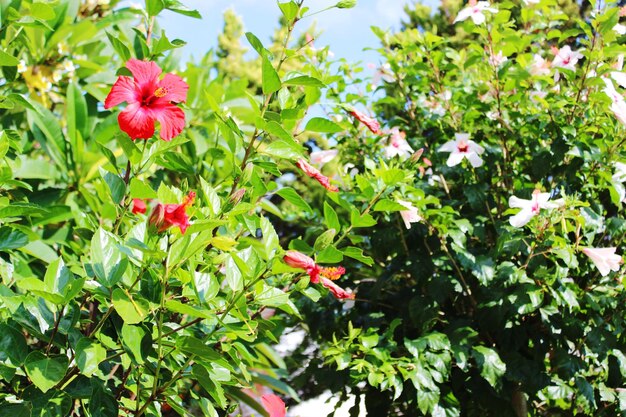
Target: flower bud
346, 4
139, 206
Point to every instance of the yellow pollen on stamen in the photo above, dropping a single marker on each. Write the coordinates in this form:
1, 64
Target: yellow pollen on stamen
160, 92
333, 273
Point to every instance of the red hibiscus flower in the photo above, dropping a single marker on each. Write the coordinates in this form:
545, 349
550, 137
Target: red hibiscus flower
318, 274
165, 216
313, 172
274, 405
372, 124
139, 206
150, 99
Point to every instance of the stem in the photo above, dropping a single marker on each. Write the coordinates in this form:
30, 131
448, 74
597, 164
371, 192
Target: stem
56, 328
264, 108
160, 332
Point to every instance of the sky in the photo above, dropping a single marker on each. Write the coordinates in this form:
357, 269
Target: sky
347, 31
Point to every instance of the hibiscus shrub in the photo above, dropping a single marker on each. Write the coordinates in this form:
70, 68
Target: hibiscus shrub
491, 277
451, 248
141, 269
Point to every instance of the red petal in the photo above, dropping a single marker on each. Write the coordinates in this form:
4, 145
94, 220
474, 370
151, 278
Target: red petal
274, 405
123, 90
337, 291
146, 75
137, 121
172, 120
139, 206
175, 216
175, 87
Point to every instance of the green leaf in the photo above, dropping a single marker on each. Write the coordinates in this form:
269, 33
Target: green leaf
357, 253
76, 114
391, 176
47, 130
207, 382
329, 255
270, 238
154, 7
107, 260
12, 239
139, 189
358, 220
193, 346
256, 43
285, 150
490, 364
12, 345
290, 10
120, 47
304, 80
270, 79
60, 282
324, 239
178, 7
7, 60
89, 354
45, 372
131, 310
42, 11
101, 402
190, 310
294, 198
137, 342
274, 128
330, 217
116, 185
321, 125
163, 44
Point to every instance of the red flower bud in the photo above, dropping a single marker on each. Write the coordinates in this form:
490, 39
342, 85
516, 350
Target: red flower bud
139, 206
372, 124
313, 172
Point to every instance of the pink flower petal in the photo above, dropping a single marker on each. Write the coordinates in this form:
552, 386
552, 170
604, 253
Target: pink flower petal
124, 90
174, 88
146, 75
137, 121
274, 405
172, 120
337, 291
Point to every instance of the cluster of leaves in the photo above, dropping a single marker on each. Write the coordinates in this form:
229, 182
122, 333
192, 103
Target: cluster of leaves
464, 313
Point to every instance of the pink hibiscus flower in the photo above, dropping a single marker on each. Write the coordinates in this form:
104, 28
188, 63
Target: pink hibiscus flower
274, 405
150, 99
319, 274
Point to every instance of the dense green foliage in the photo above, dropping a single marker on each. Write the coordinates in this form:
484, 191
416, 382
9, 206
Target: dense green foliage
463, 303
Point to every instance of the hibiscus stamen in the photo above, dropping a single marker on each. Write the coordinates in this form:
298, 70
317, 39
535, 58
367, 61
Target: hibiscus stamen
188, 200
333, 273
160, 92
463, 146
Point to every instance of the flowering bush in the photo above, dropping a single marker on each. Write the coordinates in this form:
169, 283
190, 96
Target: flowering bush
451, 248
504, 295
